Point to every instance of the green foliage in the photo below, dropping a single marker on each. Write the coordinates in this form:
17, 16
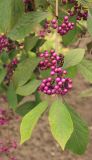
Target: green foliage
2, 73
30, 120
24, 108
60, 123
4, 57
41, 4
85, 67
26, 24
45, 74
71, 36
73, 57
80, 136
30, 43
11, 96
10, 11
72, 71
24, 71
22, 28
89, 23
28, 88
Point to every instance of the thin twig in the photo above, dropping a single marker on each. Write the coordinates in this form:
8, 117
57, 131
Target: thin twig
56, 40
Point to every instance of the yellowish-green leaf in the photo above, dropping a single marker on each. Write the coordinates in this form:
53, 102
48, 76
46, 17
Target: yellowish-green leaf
30, 120
28, 88
85, 67
73, 57
60, 123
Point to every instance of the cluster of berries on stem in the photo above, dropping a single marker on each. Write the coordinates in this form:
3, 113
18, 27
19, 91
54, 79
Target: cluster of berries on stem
62, 29
10, 70
6, 44
77, 10
67, 25
57, 83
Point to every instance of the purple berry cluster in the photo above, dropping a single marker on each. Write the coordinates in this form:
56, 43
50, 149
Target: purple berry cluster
4, 43
50, 60
78, 10
10, 70
66, 26
62, 29
57, 83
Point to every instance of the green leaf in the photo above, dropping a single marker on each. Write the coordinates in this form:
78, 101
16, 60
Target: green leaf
85, 2
12, 54
45, 73
37, 97
23, 109
52, 2
90, 8
2, 89
73, 57
30, 120
79, 138
10, 11
2, 74
26, 24
31, 54
87, 93
17, 11
41, 4
72, 72
4, 57
30, 43
5, 15
24, 71
11, 96
85, 67
72, 35
28, 88
39, 43
69, 37
89, 23
60, 123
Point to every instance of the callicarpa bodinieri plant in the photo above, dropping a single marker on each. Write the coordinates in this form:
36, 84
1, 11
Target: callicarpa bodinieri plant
37, 60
